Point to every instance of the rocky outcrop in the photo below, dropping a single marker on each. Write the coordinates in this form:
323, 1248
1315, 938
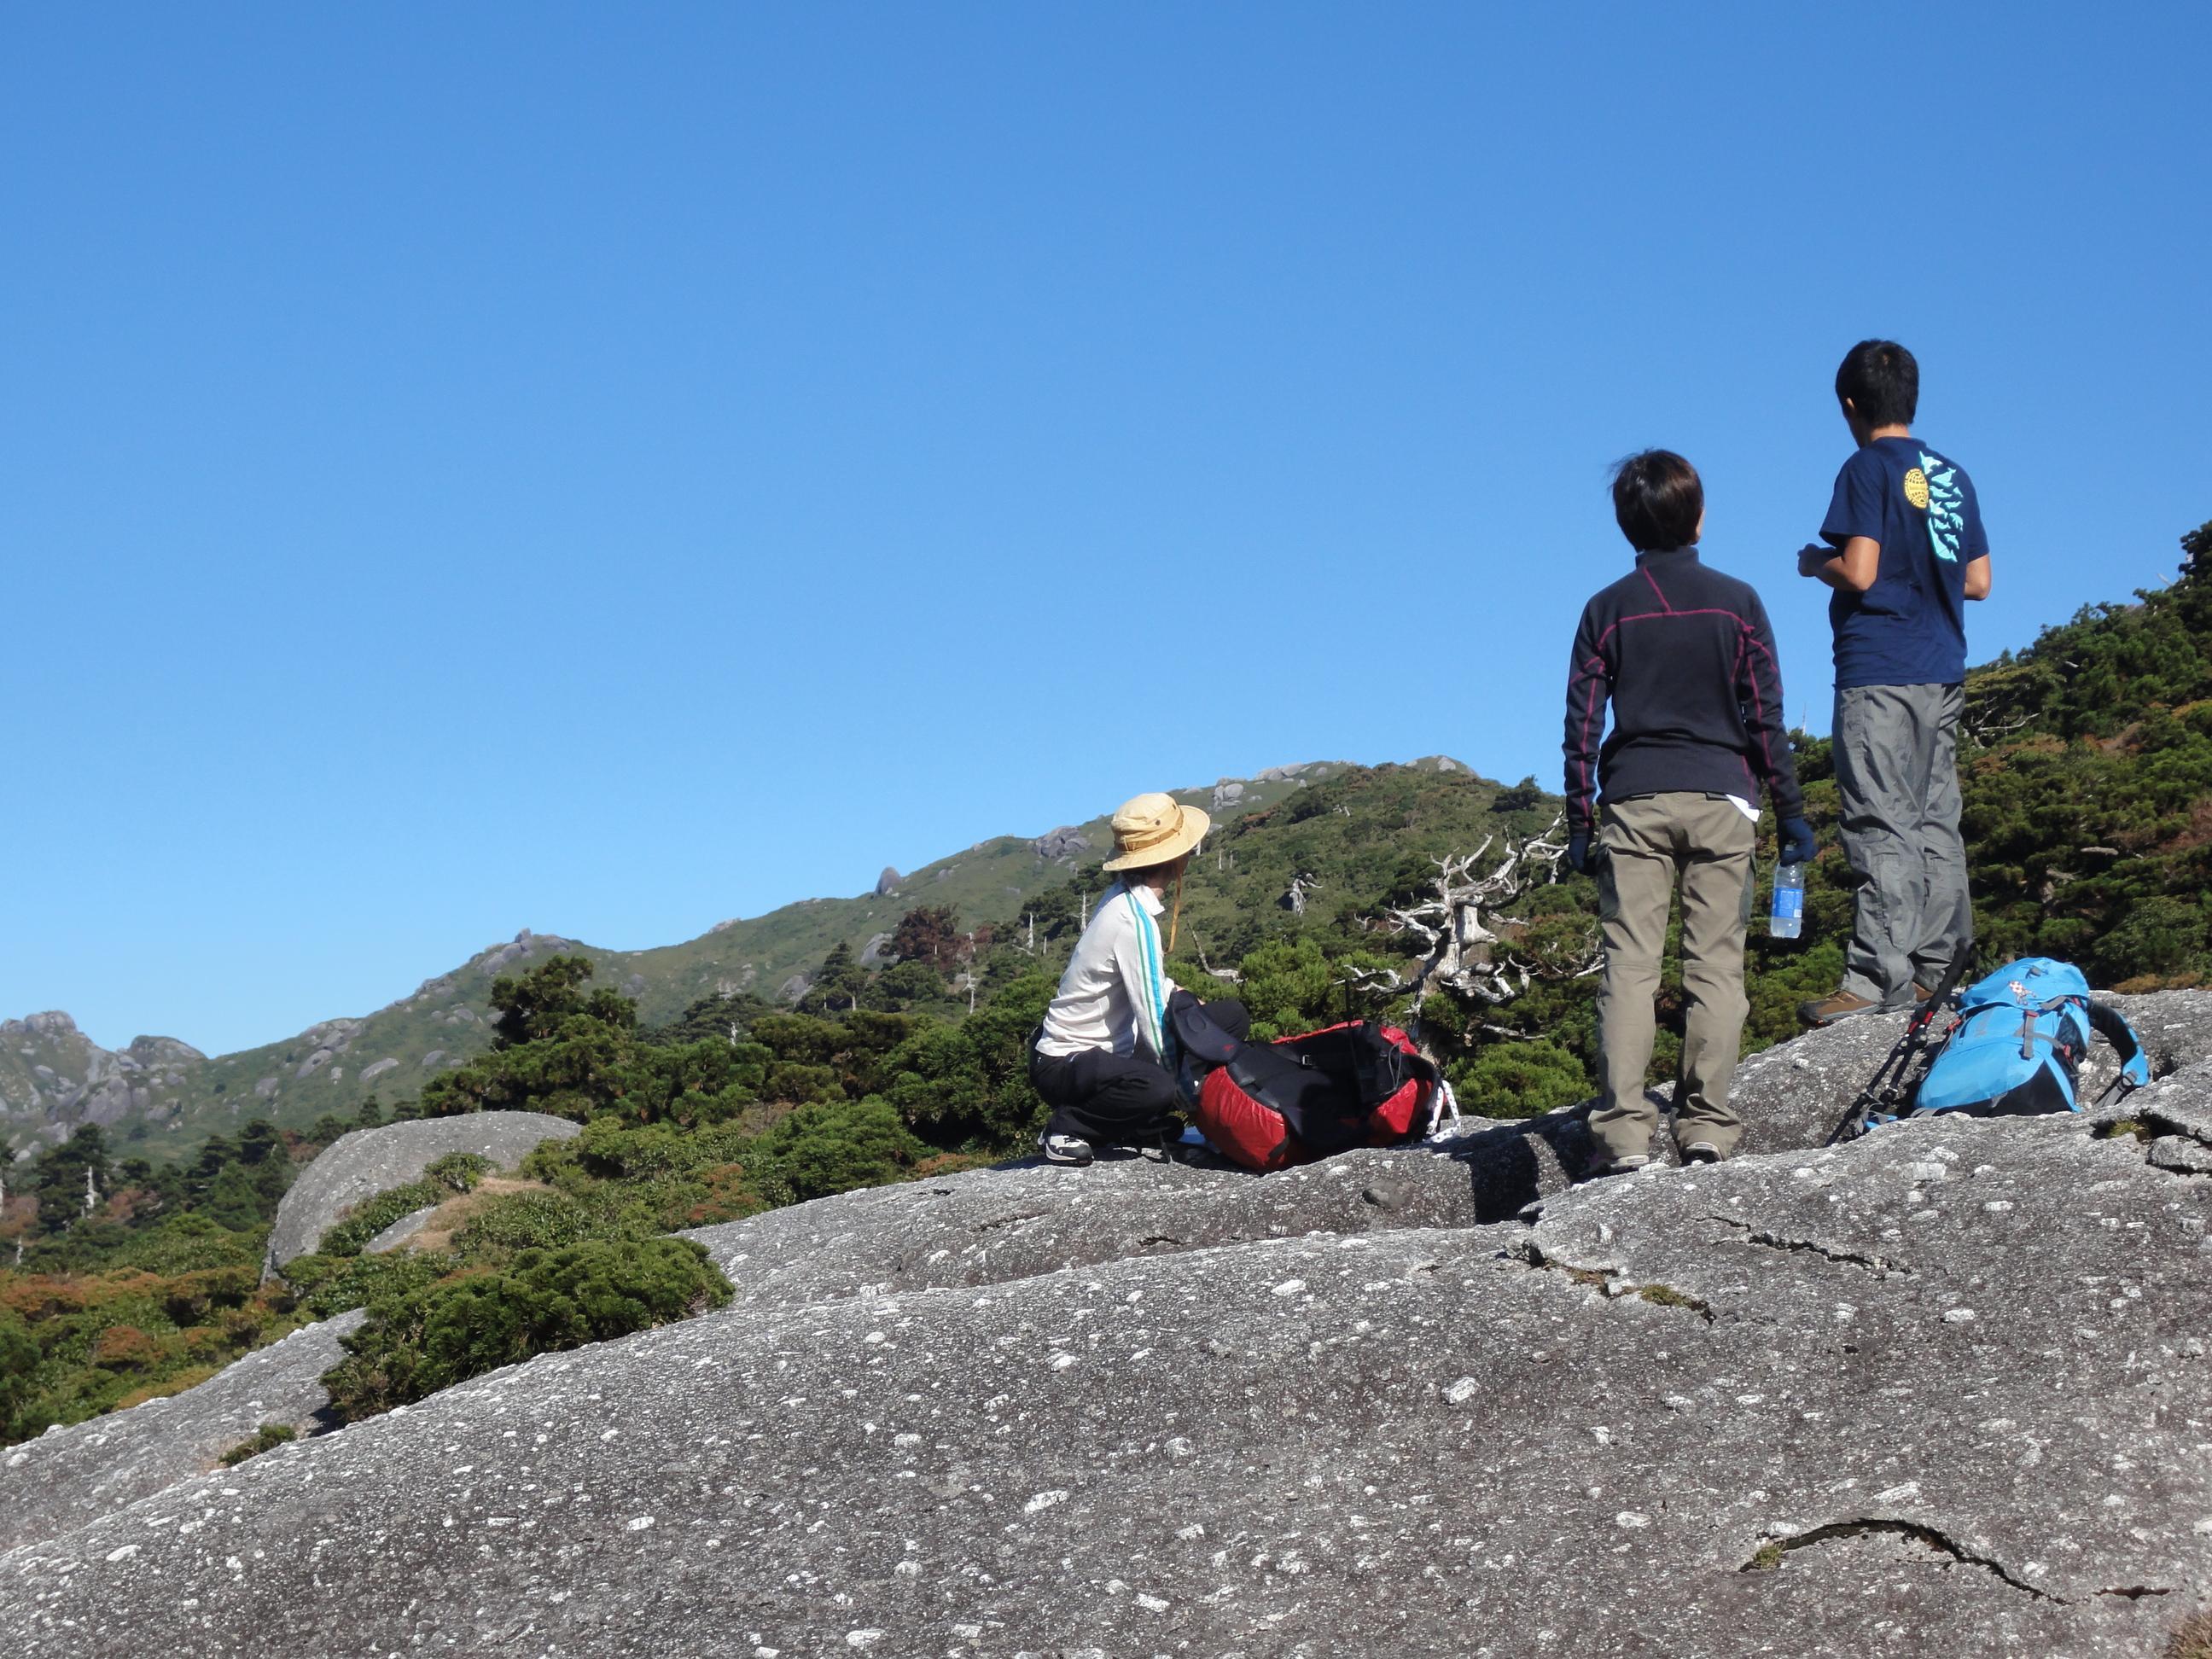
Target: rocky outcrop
523, 946
54, 1078
1061, 846
360, 1165
69, 1476
888, 882
1935, 1391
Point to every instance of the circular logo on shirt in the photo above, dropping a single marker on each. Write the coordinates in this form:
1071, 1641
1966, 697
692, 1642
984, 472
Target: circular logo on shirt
1916, 488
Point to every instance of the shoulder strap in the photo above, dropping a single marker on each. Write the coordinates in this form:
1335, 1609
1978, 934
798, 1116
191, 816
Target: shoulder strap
2112, 1025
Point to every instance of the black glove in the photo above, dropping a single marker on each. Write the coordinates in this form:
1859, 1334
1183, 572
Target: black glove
1578, 852
1797, 844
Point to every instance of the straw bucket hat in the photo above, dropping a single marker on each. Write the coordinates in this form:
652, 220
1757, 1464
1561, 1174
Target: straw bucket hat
1151, 830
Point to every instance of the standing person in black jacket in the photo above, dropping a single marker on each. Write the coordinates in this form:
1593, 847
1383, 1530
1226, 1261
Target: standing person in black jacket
1686, 657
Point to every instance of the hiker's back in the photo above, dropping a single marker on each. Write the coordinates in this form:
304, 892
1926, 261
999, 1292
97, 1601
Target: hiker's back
1909, 628
1680, 646
1674, 634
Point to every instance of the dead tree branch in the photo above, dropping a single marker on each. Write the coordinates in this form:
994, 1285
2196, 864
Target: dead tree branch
1458, 926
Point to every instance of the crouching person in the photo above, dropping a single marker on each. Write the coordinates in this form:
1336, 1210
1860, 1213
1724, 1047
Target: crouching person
1685, 658
1105, 1059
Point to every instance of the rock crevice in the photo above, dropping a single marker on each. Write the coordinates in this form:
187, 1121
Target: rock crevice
1770, 1555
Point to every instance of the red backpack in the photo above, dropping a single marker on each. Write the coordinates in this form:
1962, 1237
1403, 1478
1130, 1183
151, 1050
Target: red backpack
1269, 1105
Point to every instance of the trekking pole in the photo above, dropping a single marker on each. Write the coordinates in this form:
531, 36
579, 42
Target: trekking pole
2121, 1083
1886, 1090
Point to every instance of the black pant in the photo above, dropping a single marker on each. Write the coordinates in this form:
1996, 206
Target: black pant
1115, 1100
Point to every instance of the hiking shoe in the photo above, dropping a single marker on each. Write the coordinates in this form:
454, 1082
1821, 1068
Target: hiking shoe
1072, 1150
1601, 1166
1840, 1006
1702, 1152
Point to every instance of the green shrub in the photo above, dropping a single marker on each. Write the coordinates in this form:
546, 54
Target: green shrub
189, 1297
1520, 1079
416, 1343
609, 1146
269, 1436
836, 1147
330, 1285
520, 1221
19, 1364
457, 1172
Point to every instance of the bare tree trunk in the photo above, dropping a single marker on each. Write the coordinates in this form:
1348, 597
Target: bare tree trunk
1458, 926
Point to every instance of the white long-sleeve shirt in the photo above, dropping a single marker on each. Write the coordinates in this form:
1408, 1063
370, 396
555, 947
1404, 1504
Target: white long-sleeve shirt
1115, 992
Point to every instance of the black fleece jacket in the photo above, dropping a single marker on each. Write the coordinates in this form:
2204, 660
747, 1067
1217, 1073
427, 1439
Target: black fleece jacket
1686, 657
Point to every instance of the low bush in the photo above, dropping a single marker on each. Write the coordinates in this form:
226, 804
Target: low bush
268, 1438
520, 1221
419, 1341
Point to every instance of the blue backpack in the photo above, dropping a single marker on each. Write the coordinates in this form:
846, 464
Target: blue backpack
2016, 1048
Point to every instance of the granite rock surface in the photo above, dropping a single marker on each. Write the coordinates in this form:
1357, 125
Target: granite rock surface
69, 1476
1944, 1389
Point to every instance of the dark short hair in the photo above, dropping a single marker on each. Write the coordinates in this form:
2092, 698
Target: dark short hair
1657, 500
1882, 380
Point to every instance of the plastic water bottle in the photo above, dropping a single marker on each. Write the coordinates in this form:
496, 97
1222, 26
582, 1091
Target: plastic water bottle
1787, 917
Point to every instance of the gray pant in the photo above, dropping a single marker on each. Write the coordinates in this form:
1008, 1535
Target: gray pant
1897, 769
1653, 842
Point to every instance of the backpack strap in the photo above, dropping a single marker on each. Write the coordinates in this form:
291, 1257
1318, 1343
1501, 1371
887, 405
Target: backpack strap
2112, 1025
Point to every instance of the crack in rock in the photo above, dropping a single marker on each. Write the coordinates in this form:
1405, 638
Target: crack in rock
2167, 1143
997, 1222
1769, 1555
1880, 1267
1607, 1281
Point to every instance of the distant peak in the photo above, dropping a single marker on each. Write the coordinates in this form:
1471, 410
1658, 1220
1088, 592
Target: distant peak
52, 1022
159, 1049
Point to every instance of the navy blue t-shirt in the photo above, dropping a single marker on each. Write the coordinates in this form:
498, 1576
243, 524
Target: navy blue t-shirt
1909, 628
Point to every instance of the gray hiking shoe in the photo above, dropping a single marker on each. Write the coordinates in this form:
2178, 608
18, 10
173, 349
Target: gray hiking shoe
1702, 1152
1072, 1150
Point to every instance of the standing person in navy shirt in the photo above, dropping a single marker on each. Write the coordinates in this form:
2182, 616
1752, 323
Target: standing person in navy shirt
1904, 548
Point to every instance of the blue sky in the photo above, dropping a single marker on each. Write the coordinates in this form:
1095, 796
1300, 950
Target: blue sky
603, 469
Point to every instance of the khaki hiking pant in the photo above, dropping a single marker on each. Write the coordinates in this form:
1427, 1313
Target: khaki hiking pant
1703, 843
